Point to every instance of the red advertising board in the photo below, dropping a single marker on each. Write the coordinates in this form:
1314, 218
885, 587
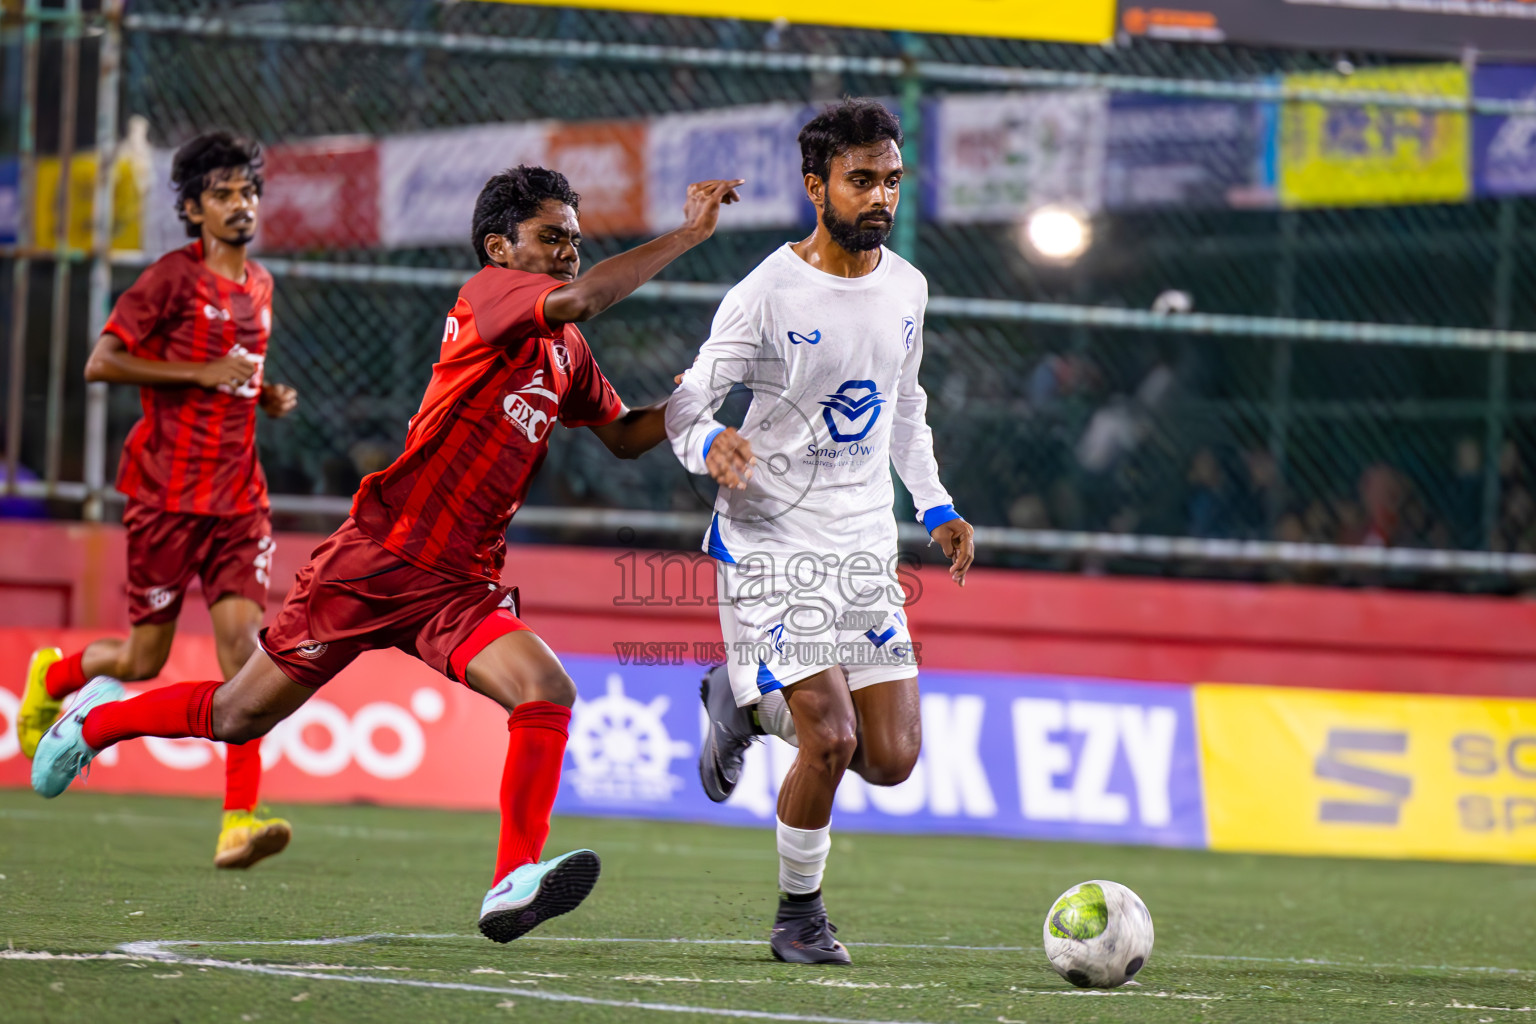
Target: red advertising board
321, 194
605, 163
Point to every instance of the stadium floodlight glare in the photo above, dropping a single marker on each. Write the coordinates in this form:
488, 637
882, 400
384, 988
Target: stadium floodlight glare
1055, 233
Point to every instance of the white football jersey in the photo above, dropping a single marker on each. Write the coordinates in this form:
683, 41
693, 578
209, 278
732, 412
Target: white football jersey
832, 364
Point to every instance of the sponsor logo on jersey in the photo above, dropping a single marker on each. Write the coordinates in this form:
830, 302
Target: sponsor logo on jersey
521, 413
851, 408
562, 357
908, 331
311, 649
796, 338
213, 312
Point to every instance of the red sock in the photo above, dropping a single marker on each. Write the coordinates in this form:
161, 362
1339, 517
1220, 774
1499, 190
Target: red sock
535, 751
65, 677
242, 775
181, 709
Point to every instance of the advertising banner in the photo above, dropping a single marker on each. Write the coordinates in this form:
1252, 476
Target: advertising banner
82, 184
1163, 151
757, 143
1504, 148
1384, 775
1082, 21
999, 154
10, 201
1342, 155
1445, 28
321, 194
428, 181
605, 163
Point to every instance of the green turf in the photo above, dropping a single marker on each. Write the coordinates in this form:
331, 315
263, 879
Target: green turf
89, 872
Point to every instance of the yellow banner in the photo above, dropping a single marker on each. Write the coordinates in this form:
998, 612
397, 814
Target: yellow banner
1076, 21
82, 182
1340, 155
1368, 774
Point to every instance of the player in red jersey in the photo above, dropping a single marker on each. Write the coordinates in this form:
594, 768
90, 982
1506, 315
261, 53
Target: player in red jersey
192, 334
418, 564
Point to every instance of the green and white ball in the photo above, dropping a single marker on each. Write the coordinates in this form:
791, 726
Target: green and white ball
1098, 934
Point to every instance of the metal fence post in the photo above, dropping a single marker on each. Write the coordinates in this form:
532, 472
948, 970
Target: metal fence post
1498, 372
904, 233
1284, 358
58, 333
26, 189
101, 249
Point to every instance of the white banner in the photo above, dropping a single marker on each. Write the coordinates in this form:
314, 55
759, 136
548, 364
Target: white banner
756, 143
428, 181
1000, 154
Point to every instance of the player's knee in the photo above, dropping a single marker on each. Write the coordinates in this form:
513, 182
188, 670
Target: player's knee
133, 666
890, 767
234, 721
552, 685
829, 743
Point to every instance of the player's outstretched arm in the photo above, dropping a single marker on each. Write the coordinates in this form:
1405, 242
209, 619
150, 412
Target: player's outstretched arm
636, 431
111, 362
616, 277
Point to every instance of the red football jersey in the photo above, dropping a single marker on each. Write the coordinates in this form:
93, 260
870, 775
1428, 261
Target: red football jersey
195, 449
504, 377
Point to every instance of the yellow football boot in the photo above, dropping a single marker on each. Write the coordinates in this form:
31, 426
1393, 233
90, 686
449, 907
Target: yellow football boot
246, 839
38, 710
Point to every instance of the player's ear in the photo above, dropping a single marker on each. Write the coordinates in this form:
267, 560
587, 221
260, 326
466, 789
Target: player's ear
499, 249
815, 189
193, 208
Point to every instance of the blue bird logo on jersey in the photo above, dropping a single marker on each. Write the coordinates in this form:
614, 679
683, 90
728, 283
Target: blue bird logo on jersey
908, 331
853, 408
796, 338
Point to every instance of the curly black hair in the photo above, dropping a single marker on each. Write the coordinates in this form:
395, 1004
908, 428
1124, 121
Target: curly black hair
200, 161
513, 196
841, 127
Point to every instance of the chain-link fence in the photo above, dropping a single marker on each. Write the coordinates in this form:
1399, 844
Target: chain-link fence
1304, 318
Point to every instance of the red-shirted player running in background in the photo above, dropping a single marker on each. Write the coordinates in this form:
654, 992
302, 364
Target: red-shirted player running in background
418, 564
192, 333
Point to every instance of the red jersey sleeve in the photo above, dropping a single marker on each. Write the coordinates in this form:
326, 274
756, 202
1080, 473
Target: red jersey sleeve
142, 308
591, 400
509, 306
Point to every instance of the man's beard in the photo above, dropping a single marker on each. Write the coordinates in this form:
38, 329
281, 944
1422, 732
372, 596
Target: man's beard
849, 235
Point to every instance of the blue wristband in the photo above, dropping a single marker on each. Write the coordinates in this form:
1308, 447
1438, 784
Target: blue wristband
709, 439
938, 516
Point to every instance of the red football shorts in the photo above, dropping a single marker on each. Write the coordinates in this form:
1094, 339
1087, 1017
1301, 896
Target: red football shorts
355, 596
232, 555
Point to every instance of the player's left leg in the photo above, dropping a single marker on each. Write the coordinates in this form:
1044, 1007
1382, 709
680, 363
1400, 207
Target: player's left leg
890, 730
509, 663
244, 839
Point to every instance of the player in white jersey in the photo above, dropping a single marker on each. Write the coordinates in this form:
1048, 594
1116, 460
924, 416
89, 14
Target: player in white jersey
828, 335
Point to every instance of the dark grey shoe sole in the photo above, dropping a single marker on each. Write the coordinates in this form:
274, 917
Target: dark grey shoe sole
560, 892
811, 956
716, 786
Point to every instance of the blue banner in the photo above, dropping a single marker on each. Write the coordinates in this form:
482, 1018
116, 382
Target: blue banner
10, 200
1165, 151
1036, 757
1504, 148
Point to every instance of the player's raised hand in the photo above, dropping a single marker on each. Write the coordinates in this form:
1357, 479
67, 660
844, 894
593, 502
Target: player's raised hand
701, 210
228, 371
958, 539
730, 459
278, 400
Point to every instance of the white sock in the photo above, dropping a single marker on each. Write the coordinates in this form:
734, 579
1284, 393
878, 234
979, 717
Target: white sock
773, 717
802, 858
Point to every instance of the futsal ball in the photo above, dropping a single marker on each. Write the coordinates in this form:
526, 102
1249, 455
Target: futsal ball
1098, 934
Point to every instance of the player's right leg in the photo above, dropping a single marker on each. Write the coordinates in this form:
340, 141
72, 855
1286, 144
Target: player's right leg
509, 663
243, 709
51, 677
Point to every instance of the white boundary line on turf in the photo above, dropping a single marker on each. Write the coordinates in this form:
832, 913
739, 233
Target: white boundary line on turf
1296, 961
159, 951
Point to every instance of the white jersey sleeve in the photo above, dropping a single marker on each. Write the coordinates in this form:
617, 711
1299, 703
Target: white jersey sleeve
912, 440
691, 425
